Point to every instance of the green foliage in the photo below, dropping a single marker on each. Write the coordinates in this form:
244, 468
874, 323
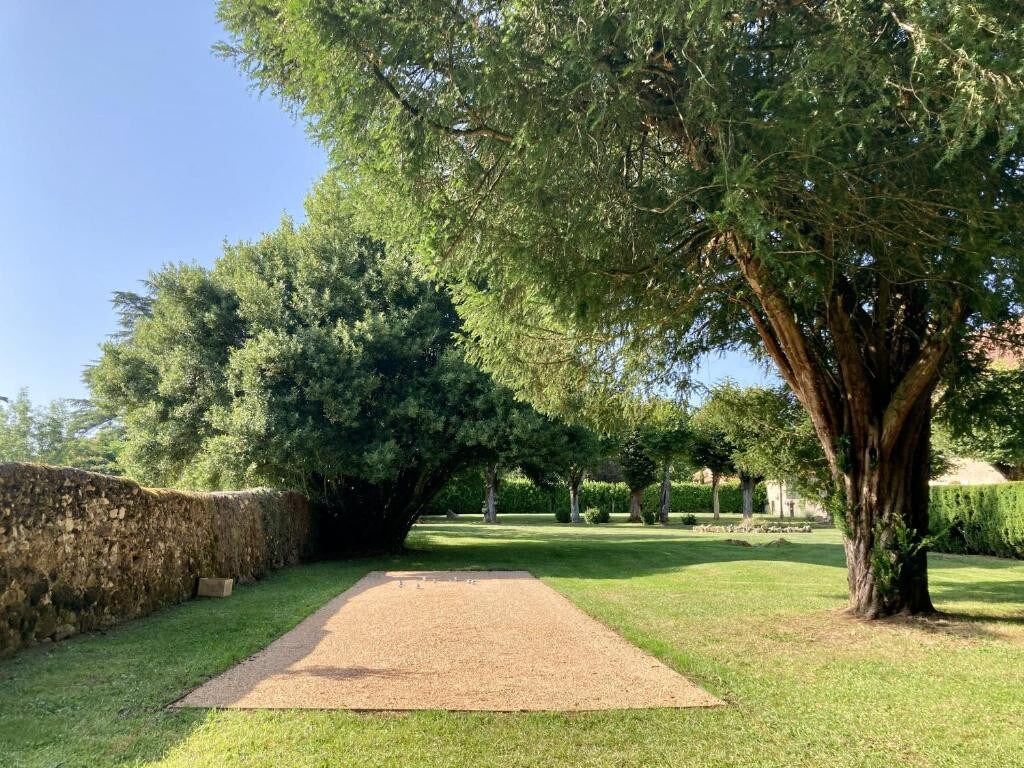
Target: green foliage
314, 359
709, 447
596, 515
533, 151
978, 519
649, 514
689, 519
983, 418
562, 514
464, 495
70, 433
770, 434
895, 545
560, 453
638, 468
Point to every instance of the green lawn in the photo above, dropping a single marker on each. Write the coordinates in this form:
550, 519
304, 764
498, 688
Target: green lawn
758, 627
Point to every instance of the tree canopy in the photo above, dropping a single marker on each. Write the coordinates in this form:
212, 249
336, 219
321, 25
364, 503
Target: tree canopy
314, 359
638, 469
769, 434
613, 190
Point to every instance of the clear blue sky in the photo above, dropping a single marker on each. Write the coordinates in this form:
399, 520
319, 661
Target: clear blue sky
125, 144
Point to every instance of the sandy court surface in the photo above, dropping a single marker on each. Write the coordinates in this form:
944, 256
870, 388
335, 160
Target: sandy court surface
485, 640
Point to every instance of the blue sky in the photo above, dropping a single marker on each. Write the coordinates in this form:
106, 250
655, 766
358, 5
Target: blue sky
124, 145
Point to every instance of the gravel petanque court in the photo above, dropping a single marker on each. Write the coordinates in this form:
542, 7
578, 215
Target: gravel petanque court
452, 640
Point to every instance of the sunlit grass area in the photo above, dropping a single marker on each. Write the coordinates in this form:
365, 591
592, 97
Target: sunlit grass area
759, 626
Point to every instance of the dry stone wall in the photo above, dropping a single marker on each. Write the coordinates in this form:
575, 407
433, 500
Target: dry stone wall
81, 551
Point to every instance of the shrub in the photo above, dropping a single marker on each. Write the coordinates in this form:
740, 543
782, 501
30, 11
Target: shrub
978, 519
649, 514
689, 519
562, 514
597, 515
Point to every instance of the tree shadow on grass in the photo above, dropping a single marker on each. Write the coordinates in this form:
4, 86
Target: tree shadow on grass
1003, 592
612, 554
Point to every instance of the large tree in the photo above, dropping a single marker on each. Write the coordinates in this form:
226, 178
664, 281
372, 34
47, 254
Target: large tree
770, 437
668, 437
710, 449
509, 434
313, 359
638, 469
615, 188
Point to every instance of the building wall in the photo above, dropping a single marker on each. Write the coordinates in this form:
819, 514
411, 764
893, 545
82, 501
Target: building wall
970, 472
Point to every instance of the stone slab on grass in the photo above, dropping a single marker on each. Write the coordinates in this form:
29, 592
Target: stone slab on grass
211, 587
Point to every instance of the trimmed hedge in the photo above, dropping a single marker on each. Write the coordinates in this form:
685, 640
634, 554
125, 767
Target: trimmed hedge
978, 519
465, 496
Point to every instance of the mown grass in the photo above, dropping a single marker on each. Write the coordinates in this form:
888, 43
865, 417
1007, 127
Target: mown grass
757, 626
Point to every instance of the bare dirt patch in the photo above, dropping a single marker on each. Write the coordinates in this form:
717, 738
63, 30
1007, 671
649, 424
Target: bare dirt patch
486, 640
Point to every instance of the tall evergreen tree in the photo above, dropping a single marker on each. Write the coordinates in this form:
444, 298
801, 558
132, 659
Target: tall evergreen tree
313, 359
616, 188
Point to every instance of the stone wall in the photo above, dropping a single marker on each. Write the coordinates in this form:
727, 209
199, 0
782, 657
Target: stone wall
81, 551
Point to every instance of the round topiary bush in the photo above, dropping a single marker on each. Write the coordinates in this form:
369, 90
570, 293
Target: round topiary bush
562, 514
596, 515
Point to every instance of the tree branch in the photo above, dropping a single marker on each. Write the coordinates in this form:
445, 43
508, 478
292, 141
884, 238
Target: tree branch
414, 111
809, 380
920, 379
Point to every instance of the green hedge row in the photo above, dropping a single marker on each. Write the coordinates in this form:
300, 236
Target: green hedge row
465, 495
978, 519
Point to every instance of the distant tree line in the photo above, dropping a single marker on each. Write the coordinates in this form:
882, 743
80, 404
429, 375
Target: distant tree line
65, 431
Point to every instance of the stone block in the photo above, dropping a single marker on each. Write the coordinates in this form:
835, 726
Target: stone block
209, 587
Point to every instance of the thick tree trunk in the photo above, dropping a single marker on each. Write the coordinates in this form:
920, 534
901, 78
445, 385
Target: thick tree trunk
887, 522
716, 508
491, 494
747, 484
357, 517
574, 501
666, 495
636, 500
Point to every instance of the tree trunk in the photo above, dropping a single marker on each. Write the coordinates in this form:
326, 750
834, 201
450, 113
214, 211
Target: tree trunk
491, 494
887, 522
715, 506
666, 495
868, 391
636, 499
574, 500
748, 483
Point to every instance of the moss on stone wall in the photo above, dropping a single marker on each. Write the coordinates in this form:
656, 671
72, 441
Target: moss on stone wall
81, 551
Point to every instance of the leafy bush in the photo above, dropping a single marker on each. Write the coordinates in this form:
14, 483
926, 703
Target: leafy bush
978, 519
562, 514
465, 493
649, 514
689, 519
596, 515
